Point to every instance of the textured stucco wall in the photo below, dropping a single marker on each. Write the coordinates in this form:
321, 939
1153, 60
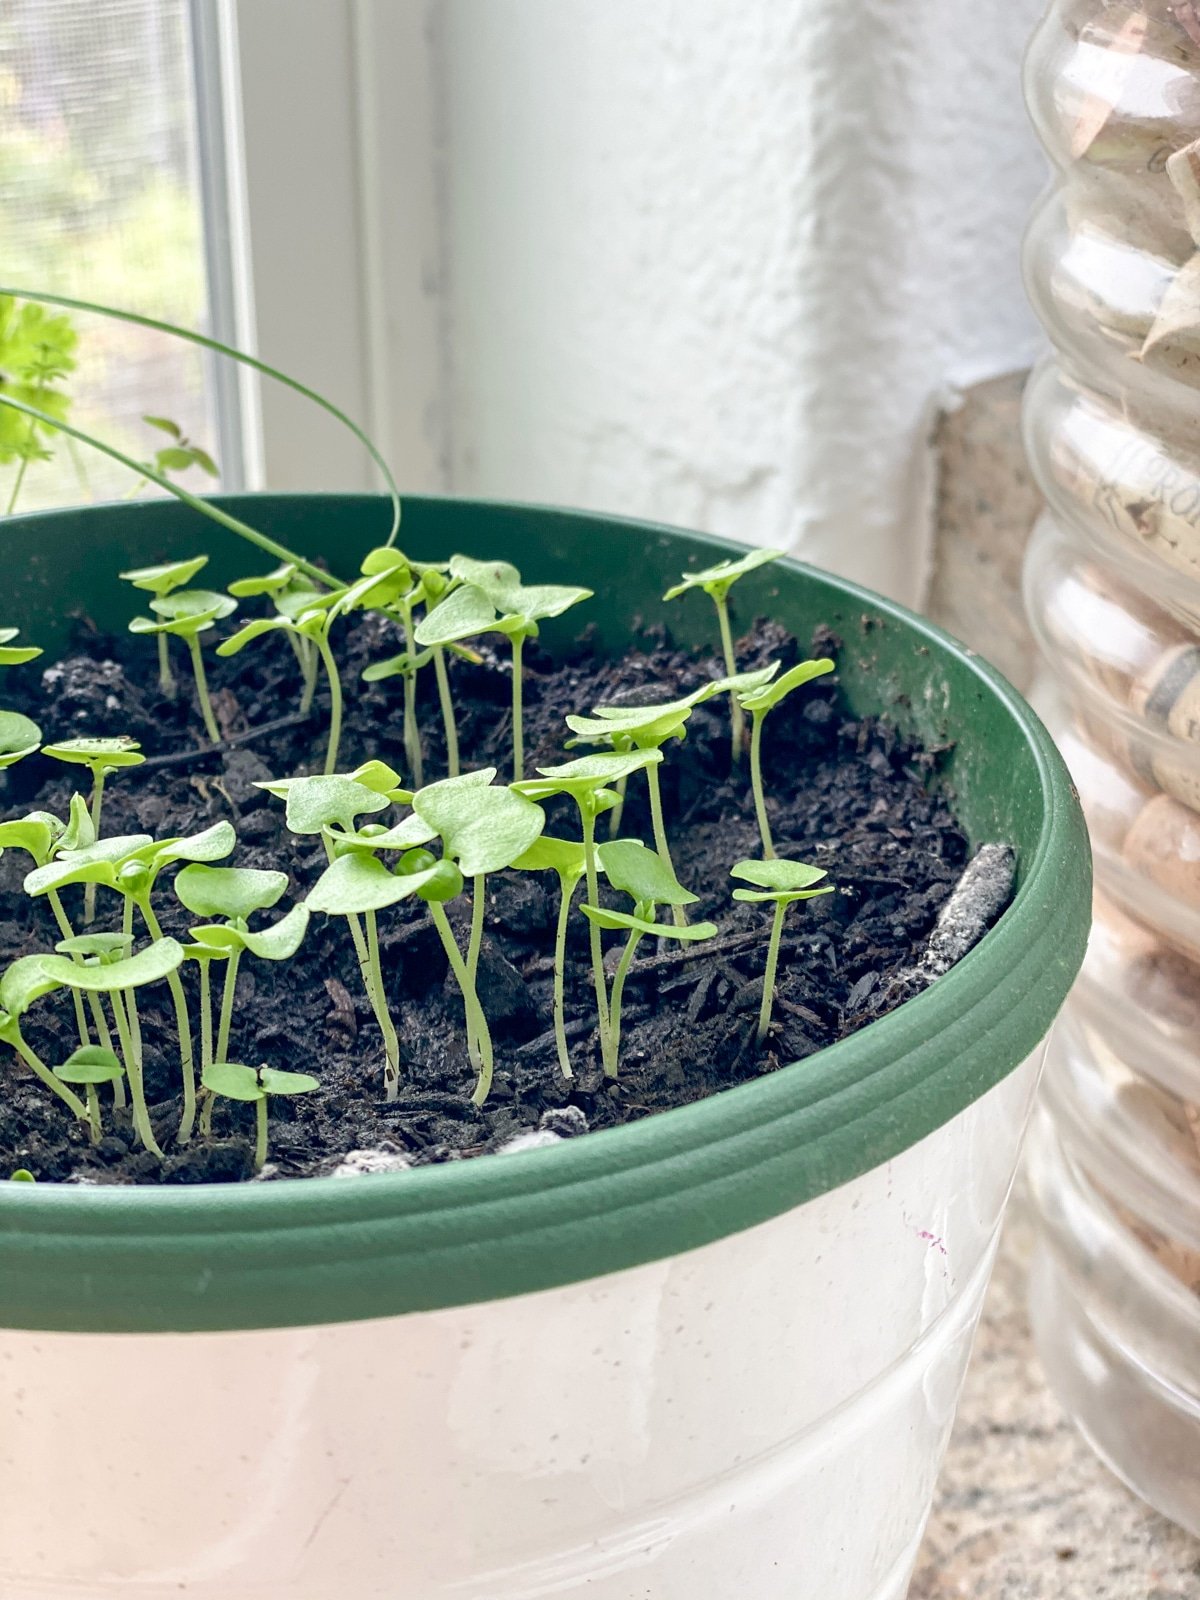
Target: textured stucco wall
717, 261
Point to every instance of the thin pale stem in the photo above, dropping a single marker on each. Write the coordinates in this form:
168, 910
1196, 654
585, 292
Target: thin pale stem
568, 887
597, 950
310, 662
736, 718
477, 1026
335, 704
391, 1044
96, 1003
478, 905
756, 784
166, 678
768, 995
64, 927
412, 734
97, 806
93, 1110
206, 710
18, 481
661, 843
618, 991
260, 1134
206, 1045
618, 811
56, 1086
360, 948
187, 1070
227, 997
449, 723
129, 1033
518, 730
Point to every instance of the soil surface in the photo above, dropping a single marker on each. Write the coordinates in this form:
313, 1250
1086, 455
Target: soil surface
846, 793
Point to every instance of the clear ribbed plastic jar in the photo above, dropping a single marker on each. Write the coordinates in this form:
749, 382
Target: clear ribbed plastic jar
1113, 595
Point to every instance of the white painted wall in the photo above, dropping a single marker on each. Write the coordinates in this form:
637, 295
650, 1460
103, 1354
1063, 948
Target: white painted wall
716, 261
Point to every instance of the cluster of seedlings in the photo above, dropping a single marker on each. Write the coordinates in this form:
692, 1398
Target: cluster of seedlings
388, 836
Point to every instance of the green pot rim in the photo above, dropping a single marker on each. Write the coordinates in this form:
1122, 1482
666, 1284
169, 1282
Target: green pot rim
323, 1250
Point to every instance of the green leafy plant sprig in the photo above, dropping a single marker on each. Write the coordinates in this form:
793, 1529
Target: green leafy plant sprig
233, 894
490, 598
758, 702
256, 1085
291, 594
716, 582
19, 737
186, 614
37, 351
159, 581
778, 882
102, 757
88, 1067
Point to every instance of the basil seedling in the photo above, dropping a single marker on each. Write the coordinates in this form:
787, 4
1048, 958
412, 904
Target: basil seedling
716, 582
758, 702
159, 581
779, 882
565, 858
587, 780
233, 894
88, 1066
100, 757
291, 593
256, 1085
186, 614
649, 881
492, 599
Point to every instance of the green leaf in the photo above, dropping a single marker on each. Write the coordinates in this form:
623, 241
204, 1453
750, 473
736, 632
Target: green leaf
356, 883
333, 801
233, 1080
276, 1081
547, 854
97, 863
186, 614
210, 844
281, 940
169, 575
483, 827
165, 425
693, 931
25, 981
495, 578
778, 879
587, 774
770, 694
90, 1064
253, 630
233, 892
383, 779
145, 966
464, 612
272, 583
537, 601
80, 832
100, 945
401, 666
19, 737
306, 606
738, 682
719, 579
103, 755
15, 655
647, 726
642, 874
28, 834
501, 583
404, 835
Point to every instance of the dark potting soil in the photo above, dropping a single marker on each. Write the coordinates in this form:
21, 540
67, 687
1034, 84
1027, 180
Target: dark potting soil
845, 792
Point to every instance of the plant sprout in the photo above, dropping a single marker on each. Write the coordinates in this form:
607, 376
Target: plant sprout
159, 581
400, 586
19, 737
778, 881
587, 780
88, 1066
291, 593
483, 828
309, 628
716, 582
492, 599
131, 865
256, 1085
649, 881
179, 456
758, 702
103, 947
186, 614
100, 757
233, 894
565, 858
30, 977
37, 351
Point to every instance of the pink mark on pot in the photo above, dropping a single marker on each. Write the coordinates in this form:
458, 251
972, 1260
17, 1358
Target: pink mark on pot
933, 1239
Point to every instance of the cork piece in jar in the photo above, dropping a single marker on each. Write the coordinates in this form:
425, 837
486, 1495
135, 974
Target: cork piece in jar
1115, 633
1183, 172
1166, 693
1173, 340
1130, 964
1163, 845
1130, 99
